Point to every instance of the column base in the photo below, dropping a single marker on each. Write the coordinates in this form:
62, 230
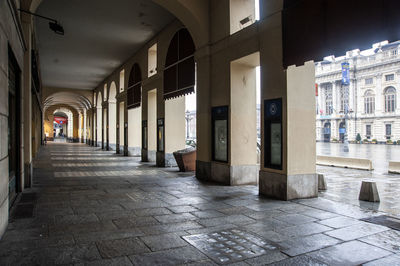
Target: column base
151, 156
203, 170
226, 174
288, 187
134, 151
28, 175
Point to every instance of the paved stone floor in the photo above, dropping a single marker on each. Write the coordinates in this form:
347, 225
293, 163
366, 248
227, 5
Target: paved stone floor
91, 207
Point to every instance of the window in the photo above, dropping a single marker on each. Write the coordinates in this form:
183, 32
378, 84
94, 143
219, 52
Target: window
368, 131
344, 99
388, 130
389, 77
243, 13
122, 80
393, 52
369, 81
390, 99
152, 60
328, 99
369, 102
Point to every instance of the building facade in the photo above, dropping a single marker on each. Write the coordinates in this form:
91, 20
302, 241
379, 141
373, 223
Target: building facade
369, 104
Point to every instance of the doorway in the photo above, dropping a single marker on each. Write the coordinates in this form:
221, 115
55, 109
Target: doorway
14, 75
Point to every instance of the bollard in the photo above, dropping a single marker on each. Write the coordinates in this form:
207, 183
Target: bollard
321, 183
369, 192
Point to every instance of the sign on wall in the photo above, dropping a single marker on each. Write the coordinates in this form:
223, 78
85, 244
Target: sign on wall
273, 133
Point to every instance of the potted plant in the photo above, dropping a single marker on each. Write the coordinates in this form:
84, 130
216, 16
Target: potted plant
374, 141
358, 138
389, 142
398, 142
365, 141
334, 140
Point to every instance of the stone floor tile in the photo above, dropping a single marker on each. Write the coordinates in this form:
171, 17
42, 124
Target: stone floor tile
339, 222
299, 260
301, 245
302, 230
349, 253
295, 219
174, 218
76, 219
107, 235
169, 228
356, 231
25, 234
269, 258
164, 241
81, 228
392, 260
389, 240
112, 215
207, 214
135, 222
182, 209
319, 214
261, 215
171, 257
233, 219
152, 211
120, 261
121, 247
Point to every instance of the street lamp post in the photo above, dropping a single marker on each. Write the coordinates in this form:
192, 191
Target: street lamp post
188, 118
346, 118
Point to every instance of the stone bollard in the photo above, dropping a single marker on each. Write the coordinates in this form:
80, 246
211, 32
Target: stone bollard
321, 183
369, 192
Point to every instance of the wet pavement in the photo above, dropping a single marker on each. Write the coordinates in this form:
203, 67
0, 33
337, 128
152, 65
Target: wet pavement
91, 207
379, 154
344, 184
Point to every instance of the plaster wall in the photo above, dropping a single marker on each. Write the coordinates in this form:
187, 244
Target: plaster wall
121, 124
152, 120
112, 116
243, 126
135, 128
301, 148
175, 124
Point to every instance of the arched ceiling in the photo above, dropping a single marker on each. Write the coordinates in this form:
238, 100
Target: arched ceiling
79, 102
99, 36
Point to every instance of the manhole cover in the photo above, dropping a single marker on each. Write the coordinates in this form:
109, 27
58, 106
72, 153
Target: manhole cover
230, 246
384, 220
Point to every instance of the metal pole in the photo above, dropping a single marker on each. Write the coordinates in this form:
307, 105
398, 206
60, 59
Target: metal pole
346, 117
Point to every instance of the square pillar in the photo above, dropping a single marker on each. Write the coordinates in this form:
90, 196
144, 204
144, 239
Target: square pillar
296, 178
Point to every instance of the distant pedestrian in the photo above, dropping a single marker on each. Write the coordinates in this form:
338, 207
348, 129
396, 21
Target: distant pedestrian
45, 141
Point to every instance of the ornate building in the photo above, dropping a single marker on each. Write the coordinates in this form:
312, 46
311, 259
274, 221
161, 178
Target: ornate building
370, 99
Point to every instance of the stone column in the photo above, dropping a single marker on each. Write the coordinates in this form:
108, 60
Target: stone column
117, 137
297, 177
203, 114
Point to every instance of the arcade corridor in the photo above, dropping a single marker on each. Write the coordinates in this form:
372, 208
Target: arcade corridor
89, 206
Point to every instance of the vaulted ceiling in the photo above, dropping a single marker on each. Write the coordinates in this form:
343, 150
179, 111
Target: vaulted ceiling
99, 36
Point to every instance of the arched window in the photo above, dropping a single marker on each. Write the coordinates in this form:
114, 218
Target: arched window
369, 102
328, 99
390, 99
134, 92
179, 73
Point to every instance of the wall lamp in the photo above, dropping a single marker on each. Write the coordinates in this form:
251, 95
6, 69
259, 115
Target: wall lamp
53, 24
